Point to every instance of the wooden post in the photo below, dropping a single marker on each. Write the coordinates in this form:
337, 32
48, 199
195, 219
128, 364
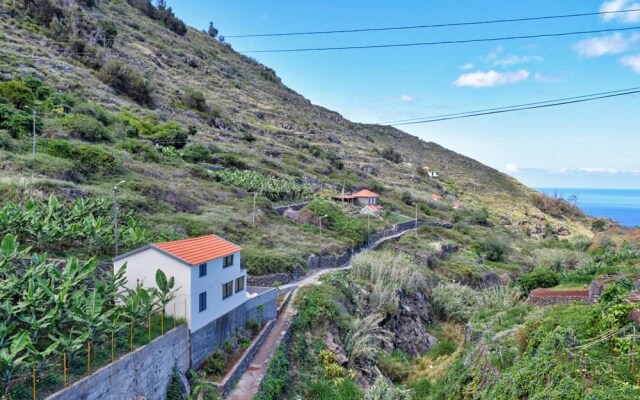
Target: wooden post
89, 356
185, 308
113, 347
64, 368
162, 323
174, 314
149, 326
34, 382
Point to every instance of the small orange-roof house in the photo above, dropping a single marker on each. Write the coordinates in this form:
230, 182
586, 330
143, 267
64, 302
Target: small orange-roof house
456, 205
364, 197
436, 197
207, 272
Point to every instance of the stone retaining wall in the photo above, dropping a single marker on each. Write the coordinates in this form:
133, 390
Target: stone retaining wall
295, 207
243, 363
144, 373
545, 297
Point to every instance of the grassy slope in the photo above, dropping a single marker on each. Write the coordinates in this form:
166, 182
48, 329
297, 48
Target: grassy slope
248, 98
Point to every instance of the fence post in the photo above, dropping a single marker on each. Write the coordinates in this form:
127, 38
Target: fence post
149, 325
64, 368
113, 348
33, 376
89, 356
131, 335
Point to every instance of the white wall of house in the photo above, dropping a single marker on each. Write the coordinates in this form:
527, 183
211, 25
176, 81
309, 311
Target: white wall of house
367, 201
142, 267
212, 284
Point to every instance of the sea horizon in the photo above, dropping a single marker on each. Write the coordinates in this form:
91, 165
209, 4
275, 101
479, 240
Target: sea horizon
621, 205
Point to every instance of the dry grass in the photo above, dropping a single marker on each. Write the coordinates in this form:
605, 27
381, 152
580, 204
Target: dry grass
365, 341
434, 368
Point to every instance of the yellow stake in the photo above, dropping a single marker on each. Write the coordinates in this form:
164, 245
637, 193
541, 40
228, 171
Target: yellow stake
174, 314
64, 368
89, 356
113, 348
34, 383
131, 335
185, 308
162, 323
149, 327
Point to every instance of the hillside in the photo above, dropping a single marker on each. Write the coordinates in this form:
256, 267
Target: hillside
121, 95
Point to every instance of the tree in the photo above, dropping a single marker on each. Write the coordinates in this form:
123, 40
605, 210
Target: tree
165, 292
213, 32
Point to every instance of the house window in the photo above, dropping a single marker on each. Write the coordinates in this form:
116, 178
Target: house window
202, 301
239, 284
227, 261
203, 269
227, 289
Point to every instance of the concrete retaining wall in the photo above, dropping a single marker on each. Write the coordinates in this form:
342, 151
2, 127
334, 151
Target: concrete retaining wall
295, 207
243, 363
210, 337
144, 373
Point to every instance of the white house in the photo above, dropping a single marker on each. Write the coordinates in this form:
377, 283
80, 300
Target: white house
364, 197
207, 272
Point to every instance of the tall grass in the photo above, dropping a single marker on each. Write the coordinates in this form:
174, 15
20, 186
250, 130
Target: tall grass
500, 297
382, 389
454, 302
388, 273
365, 340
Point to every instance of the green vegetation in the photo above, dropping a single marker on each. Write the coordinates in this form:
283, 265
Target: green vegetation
275, 189
83, 227
51, 313
353, 229
275, 382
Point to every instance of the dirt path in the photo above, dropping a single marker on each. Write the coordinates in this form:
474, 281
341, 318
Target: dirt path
249, 383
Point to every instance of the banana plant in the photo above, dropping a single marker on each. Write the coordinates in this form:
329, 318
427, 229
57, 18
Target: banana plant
69, 342
88, 312
12, 357
166, 291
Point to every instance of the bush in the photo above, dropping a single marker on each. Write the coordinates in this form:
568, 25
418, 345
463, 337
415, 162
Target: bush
276, 378
479, 217
196, 153
442, 349
141, 149
170, 134
86, 128
354, 229
492, 248
390, 154
89, 160
18, 122
407, 198
253, 326
394, 366
94, 111
215, 363
18, 93
538, 278
5, 140
232, 160
195, 100
127, 80
454, 302
262, 262
598, 225
559, 260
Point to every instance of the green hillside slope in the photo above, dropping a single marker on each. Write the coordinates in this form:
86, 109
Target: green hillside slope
126, 92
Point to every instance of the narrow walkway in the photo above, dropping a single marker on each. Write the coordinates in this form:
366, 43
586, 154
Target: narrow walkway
249, 383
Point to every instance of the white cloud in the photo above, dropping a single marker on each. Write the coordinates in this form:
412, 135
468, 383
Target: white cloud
613, 44
490, 78
632, 62
497, 57
595, 171
405, 98
511, 168
620, 5
466, 67
540, 77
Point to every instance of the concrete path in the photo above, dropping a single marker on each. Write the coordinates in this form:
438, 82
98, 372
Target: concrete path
249, 383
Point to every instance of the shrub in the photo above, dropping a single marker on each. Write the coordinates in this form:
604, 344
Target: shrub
196, 153
248, 137
95, 111
383, 390
262, 261
5, 140
253, 326
18, 93
454, 302
492, 248
276, 378
127, 80
232, 160
86, 128
18, 122
559, 260
500, 297
394, 366
598, 225
442, 349
141, 149
407, 198
479, 217
195, 100
538, 278
390, 154
354, 229
170, 134
215, 363
89, 160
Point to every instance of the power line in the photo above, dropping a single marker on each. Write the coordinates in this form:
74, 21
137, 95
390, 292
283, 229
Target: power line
381, 46
443, 25
469, 115
507, 107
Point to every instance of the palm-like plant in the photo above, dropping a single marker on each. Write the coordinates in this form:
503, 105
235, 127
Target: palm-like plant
165, 292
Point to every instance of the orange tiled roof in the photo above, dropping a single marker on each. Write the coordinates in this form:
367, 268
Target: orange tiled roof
375, 207
200, 249
365, 193
436, 196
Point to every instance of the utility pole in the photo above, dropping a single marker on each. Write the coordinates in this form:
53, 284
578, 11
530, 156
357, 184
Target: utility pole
34, 135
115, 214
34, 131
254, 208
368, 231
416, 216
321, 244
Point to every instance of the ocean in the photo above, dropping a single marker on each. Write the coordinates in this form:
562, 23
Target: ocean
622, 205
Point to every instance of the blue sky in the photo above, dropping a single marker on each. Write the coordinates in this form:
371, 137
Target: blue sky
585, 145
